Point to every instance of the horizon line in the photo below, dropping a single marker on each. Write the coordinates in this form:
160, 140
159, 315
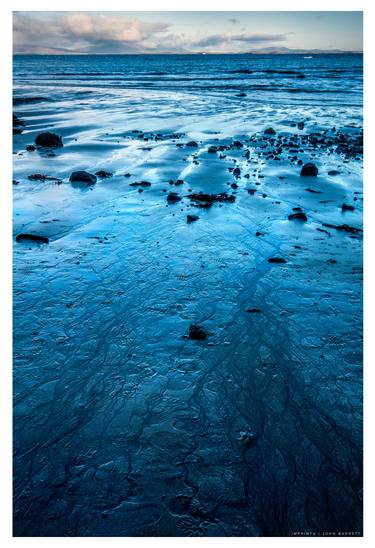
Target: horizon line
313, 52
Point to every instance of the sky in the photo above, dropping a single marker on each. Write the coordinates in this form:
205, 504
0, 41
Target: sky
185, 32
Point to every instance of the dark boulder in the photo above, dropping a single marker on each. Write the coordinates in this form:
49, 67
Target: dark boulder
300, 216
211, 198
82, 177
309, 170
212, 150
191, 218
269, 131
173, 198
143, 184
276, 260
48, 139
30, 148
333, 172
197, 333
33, 237
236, 172
253, 310
192, 144
301, 125
347, 207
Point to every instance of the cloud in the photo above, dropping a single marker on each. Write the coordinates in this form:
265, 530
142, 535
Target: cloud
76, 32
108, 29
84, 33
218, 39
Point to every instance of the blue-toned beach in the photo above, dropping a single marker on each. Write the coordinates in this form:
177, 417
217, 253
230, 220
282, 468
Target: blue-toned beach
188, 327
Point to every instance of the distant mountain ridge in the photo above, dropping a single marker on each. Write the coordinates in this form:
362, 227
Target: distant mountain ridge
284, 50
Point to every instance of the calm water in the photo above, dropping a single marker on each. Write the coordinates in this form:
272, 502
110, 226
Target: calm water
273, 78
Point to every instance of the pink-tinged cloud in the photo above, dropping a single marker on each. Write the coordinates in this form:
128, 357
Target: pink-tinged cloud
83, 33
101, 33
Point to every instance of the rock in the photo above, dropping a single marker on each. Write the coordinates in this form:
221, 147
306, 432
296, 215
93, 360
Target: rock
301, 125
212, 150
41, 177
312, 191
236, 172
346, 207
240, 94
197, 333
103, 174
30, 148
143, 184
191, 218
173, 198
237, 144
212, 198
297, 216
253, 310
247, 438
17, 124
269, 131
82, 177
276, 260
333, 172
344, 228
127, 175
32, 237
48, 139
17, 121
192, 144
309, 170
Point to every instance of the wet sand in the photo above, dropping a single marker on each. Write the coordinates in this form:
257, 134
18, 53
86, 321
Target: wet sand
125, 426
